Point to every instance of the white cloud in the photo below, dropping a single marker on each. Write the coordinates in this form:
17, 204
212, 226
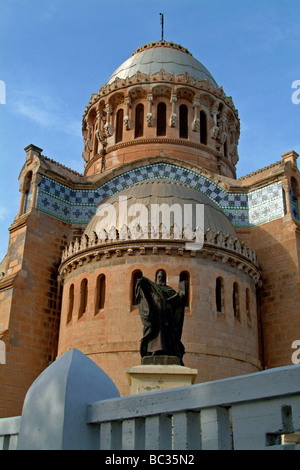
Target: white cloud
3, 212
41, 108
271, 31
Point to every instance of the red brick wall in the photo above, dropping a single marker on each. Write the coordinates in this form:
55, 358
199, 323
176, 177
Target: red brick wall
278, 249
217, 345
32, 317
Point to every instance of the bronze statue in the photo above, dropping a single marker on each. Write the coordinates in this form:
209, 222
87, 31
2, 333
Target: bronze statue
161, 309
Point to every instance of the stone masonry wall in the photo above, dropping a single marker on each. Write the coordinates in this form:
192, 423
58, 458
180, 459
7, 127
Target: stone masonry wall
33, 320
218, 345
278, 251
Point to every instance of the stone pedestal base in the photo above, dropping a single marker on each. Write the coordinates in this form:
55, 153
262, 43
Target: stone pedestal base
153, 378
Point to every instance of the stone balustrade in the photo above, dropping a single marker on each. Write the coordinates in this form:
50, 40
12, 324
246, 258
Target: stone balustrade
73, 404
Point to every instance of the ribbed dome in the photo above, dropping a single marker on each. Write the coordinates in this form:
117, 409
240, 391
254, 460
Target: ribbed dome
155, 191
151, 58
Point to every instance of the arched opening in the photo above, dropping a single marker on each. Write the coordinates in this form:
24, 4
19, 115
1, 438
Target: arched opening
139, 121
119, 125
294, 198
134, 278
95, 142
161, 129
70, 303
225, 149
161, 276
203, 128
83, 297
100, 293
184, 277
183, 121
248, 307
220, 295
236, 301
28, 192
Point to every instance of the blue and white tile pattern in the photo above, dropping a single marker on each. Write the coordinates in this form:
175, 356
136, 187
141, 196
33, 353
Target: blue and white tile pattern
79, 206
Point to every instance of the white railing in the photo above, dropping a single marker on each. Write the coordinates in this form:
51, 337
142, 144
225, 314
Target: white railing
9, 432
248, 412
256, 411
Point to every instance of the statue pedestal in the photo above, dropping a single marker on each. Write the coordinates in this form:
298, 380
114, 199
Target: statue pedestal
153, 378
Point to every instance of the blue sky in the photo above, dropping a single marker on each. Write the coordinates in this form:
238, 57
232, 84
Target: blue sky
54, 54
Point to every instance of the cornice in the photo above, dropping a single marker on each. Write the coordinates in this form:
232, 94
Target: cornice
191, 348
19, 222
7, 282
161, 77
218, 247
160, 141
264, 174
93, 182
162, 43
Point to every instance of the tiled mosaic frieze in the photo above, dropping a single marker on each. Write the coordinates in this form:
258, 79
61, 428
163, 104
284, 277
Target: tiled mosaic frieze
265, 204
63, 203
78, 206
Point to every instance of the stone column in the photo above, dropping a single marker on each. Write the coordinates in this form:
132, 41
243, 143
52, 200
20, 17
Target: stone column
149, 114
196, 121
173, 117
126, 117
286, 189
22, 200
88, 140
108, 128
35, 183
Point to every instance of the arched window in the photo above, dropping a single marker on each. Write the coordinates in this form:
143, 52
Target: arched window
220, 295
236, 300
83, 297
164, 275
225, 149
248, 307
100, 292
161, 119
28, 192
183, 121
139, 121
135, 276
95, 143
70, 303
294, 198
119, 125
185, 277
203, 128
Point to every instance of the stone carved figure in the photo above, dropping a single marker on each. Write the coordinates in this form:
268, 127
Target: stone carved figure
161, 309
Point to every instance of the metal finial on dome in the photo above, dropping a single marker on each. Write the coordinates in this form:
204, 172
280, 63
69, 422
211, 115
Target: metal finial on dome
162, 26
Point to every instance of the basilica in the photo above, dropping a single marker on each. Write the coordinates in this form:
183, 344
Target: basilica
162, 133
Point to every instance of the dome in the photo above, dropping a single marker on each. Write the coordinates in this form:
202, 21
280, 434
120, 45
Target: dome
155, 191
151, 58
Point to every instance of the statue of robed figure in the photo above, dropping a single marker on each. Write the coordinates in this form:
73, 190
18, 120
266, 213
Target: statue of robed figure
161, 309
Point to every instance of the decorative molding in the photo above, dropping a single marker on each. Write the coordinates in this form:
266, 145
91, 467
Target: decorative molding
222, 248
162, 140
7, 282
164, 77
19, 222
